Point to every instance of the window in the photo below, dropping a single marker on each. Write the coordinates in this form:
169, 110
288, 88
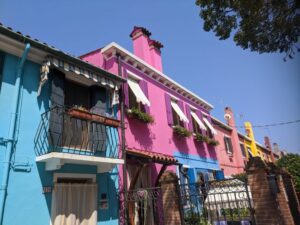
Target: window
137, 92
210, 131
197, 123
228, 145
2, 56
196, 128
243, 150
178, 116
249, 151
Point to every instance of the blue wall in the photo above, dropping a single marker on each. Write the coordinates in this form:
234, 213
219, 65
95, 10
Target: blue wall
25, 202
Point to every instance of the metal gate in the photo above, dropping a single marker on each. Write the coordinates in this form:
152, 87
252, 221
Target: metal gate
225, 202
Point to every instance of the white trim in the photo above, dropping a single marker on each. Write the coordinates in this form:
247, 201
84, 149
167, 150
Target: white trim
186, 166
74, 175
133, 76
115, 45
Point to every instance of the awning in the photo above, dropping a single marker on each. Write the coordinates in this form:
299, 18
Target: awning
179, 112
69, 67
154, 156
137, 91
213, 131
197, 119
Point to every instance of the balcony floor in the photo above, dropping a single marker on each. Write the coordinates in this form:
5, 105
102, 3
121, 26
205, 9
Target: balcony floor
55, 160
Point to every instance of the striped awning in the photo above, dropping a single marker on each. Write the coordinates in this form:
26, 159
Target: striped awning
69, 67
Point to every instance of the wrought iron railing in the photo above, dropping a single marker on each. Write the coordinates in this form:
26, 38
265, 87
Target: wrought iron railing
75, 131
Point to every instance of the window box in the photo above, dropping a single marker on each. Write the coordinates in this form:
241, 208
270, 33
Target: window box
112, 122
138, 114
200, 138
80, 113
181, 131
212, 142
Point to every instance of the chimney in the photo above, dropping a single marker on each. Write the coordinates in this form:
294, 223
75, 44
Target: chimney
145, 48
229, 117
276, 148
268, 146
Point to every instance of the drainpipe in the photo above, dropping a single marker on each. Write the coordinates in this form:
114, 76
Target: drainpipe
123, 147
11, 143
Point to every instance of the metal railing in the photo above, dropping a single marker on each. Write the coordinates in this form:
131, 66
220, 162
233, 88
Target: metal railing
61, 130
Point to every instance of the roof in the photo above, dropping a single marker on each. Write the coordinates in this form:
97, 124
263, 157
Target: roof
221, 124
18, 36
155, 156
161, 77
244, 136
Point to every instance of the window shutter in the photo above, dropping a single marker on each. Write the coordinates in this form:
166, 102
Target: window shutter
199, 114
169, 109
126, 91
57, 98
180, 104
220, 175
144, 86
226, 144
98, 100
230, 145
188, 114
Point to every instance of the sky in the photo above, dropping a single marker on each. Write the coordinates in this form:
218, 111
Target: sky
260, 88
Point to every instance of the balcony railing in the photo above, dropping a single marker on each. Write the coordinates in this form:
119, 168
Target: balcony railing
76, 131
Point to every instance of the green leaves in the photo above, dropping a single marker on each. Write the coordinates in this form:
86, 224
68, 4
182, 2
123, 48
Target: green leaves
291, 162
202, 138
260, 25
142, 116
181, 131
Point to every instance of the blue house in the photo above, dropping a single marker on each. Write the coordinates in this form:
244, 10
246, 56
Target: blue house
59, 138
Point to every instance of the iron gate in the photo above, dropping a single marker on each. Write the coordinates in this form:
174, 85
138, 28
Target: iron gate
225, 202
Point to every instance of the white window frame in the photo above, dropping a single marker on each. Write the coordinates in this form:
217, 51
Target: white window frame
228, 152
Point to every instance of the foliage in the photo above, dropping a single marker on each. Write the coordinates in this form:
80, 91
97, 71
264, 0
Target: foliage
181, 131
80, 107
262, 26
202, 138
235, 213
142, 116
193, 218
291, 162
240, 176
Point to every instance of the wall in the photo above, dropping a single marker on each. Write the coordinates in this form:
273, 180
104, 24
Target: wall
228, 162
26, 180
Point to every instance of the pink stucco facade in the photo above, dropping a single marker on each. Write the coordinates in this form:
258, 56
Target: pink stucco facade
159, 136
230, 162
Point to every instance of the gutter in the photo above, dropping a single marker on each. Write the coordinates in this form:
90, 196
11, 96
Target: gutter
11, 141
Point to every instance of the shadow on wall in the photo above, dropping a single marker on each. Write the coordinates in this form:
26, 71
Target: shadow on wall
180, 143
141, 133
212, 152
200, 146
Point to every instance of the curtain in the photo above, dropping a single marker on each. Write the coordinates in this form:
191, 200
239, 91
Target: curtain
74, 204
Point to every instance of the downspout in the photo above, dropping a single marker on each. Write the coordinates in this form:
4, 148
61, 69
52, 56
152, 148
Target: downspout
123, 140
11, 143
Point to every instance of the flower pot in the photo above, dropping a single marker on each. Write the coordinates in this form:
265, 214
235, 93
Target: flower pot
98, 118
80, 114
112, 122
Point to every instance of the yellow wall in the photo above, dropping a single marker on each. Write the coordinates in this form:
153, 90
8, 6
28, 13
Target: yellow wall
250, 135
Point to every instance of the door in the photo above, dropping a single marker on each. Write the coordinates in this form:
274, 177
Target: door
74, 203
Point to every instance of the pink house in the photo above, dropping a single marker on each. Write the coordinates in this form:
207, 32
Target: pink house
168, 129
230, 149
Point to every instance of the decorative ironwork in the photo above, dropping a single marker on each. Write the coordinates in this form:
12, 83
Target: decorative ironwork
61, 131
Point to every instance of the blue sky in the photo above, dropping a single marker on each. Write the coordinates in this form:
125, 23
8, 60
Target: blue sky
261, 89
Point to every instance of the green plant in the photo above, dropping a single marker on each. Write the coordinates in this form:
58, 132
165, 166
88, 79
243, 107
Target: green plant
212, 142
142, 116
291, 162
240, 176
200, 137
181, 131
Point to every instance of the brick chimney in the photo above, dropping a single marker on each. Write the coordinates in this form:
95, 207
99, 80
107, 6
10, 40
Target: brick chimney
268, 146
145, 48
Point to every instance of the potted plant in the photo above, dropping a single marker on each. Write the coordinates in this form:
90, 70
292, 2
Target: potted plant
212, 142
80, 112
199, 137
138, 114
181, 131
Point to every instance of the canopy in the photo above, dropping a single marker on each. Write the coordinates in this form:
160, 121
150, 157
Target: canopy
179, 112
213, 131
137, 91
197, 119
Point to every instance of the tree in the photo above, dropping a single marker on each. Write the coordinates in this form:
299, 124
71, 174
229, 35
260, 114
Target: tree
291, 162
264, 26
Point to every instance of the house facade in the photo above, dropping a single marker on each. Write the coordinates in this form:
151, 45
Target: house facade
168, 129
59, 138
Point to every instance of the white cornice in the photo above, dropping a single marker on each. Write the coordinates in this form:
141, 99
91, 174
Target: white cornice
164, 79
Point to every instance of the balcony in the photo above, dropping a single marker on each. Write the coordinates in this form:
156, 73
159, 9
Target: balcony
76, 136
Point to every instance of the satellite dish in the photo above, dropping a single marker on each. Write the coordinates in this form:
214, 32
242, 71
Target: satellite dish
227, 116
